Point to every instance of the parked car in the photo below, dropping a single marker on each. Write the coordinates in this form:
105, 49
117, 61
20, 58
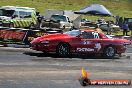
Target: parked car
63, 19
80, 41
104, 27
58, 21
84, 22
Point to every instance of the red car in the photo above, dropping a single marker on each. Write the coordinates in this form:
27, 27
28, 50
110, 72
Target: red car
80, 41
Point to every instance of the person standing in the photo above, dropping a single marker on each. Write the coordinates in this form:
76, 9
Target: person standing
109, 27
125, 28
117, 20
39, 21
120, 23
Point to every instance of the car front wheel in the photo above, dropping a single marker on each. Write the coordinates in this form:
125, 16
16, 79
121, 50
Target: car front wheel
63, 50
109, 52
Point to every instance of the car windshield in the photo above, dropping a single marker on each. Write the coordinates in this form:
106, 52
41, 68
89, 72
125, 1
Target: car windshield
78, 32
73, 32
8, 13
58, 18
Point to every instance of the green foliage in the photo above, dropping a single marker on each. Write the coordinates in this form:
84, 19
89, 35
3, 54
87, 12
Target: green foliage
117, 7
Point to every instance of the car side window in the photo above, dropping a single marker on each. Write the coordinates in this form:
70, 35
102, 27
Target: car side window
22, 14
28, 15
87, 35
15, 14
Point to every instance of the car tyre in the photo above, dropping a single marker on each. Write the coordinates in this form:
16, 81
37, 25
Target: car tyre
63, 50
109, 52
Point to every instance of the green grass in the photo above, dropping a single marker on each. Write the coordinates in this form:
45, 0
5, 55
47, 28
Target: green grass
117, 7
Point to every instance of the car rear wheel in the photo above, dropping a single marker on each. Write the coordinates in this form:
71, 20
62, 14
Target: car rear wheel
63, 50
109, 52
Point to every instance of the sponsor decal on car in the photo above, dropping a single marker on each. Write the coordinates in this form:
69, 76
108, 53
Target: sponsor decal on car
84, 49
98, 46
86, 42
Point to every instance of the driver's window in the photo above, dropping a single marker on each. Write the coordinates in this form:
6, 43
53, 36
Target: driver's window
87, 35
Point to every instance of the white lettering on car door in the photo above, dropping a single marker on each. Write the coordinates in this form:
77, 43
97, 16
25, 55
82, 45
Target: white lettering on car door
84, 49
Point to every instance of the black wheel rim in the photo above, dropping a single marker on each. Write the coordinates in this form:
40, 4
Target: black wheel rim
63, 50
110, 51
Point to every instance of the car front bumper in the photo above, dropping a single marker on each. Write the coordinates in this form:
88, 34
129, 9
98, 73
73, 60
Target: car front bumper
39, 47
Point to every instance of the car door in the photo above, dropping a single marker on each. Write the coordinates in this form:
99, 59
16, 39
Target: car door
89, 42
16, 19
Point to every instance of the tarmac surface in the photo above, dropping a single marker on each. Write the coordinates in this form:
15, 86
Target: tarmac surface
25, 68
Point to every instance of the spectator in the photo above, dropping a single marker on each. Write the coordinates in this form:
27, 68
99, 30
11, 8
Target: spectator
42, 18
120, 21
125, 28
42, 21
109, 27
39, 21
117, 20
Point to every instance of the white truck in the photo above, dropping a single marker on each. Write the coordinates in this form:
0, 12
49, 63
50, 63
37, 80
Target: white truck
61, 19
15, 16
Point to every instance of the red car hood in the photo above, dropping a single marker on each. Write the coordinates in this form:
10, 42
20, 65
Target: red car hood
118, 40
49, 37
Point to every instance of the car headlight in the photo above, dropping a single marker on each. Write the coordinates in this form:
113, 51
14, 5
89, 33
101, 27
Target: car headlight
45, 42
